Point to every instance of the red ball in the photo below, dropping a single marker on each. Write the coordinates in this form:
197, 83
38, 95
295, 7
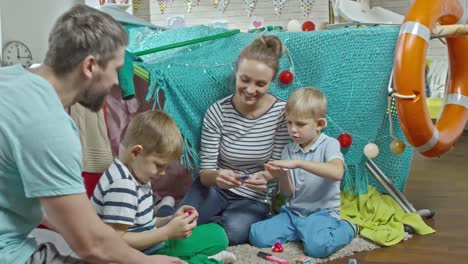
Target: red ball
286, 77
308, 26
345, 140
277, 247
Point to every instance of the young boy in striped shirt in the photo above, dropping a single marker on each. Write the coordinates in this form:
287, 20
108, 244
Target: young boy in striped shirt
124, 199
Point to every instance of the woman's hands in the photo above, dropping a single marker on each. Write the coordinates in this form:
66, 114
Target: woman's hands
229, 179
257, 181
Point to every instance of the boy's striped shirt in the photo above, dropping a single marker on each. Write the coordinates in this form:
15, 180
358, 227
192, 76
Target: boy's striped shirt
120, 198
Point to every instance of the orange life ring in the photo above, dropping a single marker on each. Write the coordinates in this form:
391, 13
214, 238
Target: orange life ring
409, 66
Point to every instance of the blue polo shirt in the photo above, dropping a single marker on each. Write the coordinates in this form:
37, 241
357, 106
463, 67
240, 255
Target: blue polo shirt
40, 156
312, 192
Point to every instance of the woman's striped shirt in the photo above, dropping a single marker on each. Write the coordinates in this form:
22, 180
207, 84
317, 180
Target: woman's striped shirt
232, 141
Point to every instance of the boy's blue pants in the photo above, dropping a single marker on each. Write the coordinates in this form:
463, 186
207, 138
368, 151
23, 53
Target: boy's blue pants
321, 233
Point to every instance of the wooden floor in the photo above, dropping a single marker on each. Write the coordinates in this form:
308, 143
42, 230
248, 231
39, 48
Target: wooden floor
440, 184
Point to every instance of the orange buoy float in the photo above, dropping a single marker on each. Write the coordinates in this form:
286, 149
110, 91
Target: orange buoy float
409, 71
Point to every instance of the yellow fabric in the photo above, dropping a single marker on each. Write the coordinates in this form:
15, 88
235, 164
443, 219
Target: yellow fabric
434, 105
380, 217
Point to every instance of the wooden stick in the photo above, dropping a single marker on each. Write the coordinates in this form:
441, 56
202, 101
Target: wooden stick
441, 31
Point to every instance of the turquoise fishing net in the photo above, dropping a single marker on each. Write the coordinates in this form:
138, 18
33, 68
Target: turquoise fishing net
350, 66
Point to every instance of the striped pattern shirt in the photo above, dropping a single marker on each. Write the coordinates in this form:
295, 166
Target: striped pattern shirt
234, 142
120, 198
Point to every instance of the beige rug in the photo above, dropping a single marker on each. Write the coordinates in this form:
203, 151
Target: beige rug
247, 254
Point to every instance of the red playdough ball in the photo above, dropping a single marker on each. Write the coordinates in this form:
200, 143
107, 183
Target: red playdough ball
278, 247
308, 26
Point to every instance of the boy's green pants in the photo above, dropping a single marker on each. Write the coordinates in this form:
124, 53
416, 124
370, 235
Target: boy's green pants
206, 240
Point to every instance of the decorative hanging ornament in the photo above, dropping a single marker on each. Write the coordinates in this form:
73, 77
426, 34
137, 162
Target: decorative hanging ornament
214, 3
397, 146
371, 150
345, 140
286, 77
136, 4
308, 26
162, 5
306, 6
249, 6
279, 5
222, 4
190, 4
294, 26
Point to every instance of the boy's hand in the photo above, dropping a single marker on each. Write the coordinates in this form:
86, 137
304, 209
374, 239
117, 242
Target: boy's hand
186, 210
228, 179
256, 181
275, 171
181, 226
284, 164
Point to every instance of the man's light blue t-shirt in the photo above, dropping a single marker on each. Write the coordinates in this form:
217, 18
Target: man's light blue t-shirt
40, 156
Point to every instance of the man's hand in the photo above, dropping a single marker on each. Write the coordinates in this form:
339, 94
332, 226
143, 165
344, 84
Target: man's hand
161, 259
228, 179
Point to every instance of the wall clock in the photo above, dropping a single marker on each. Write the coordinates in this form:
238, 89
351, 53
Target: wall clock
15, 52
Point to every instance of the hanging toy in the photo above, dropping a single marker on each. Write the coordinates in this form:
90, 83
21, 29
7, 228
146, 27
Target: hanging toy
294, 26
162, 6
308, 26
222, 4
190, 4
136, 4
345, 140
397, 146
286, 77
279, 5
306, 6
371, 150
249, 6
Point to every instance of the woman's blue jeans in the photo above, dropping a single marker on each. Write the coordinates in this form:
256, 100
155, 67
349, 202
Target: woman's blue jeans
233, 212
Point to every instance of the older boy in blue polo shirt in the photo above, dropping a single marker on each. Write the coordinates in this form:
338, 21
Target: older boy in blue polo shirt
309, 175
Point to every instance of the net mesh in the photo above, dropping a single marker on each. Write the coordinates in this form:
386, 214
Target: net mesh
350, 66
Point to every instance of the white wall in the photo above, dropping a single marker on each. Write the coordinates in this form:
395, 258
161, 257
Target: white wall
397, 6
237, 17
30, 21
235, 13
436, 50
